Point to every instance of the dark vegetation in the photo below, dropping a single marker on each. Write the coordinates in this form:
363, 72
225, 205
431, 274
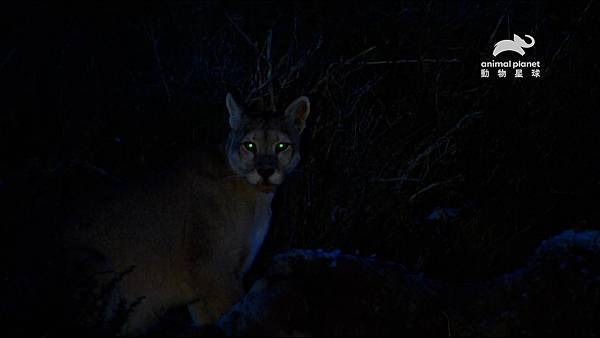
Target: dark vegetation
409, 155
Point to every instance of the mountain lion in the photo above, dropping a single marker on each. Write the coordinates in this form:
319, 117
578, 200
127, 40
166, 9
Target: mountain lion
189, 236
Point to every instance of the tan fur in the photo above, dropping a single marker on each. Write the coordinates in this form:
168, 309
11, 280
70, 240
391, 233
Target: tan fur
192, 233
187, 237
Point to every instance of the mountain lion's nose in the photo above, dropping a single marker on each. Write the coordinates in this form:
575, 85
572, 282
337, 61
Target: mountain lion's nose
265, 172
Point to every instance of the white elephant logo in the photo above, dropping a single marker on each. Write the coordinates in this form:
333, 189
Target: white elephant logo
515, 45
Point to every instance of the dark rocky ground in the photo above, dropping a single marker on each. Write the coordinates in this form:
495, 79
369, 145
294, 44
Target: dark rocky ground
312, 292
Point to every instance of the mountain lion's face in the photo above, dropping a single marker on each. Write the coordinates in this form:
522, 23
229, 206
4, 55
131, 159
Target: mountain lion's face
263, 147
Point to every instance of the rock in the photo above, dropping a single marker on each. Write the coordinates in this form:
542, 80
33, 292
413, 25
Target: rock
315, 292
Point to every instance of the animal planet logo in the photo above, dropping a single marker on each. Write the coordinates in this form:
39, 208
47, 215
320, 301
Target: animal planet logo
516, 45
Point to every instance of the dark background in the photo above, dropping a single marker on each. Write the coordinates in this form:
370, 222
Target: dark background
123, 90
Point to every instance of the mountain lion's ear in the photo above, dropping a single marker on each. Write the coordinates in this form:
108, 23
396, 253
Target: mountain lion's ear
235, 111
298, 111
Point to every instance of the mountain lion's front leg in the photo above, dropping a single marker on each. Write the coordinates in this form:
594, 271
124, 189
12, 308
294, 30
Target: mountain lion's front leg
215, 298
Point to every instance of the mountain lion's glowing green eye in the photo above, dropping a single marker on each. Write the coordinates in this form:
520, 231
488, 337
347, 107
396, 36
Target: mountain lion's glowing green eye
249, 146
281, 147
